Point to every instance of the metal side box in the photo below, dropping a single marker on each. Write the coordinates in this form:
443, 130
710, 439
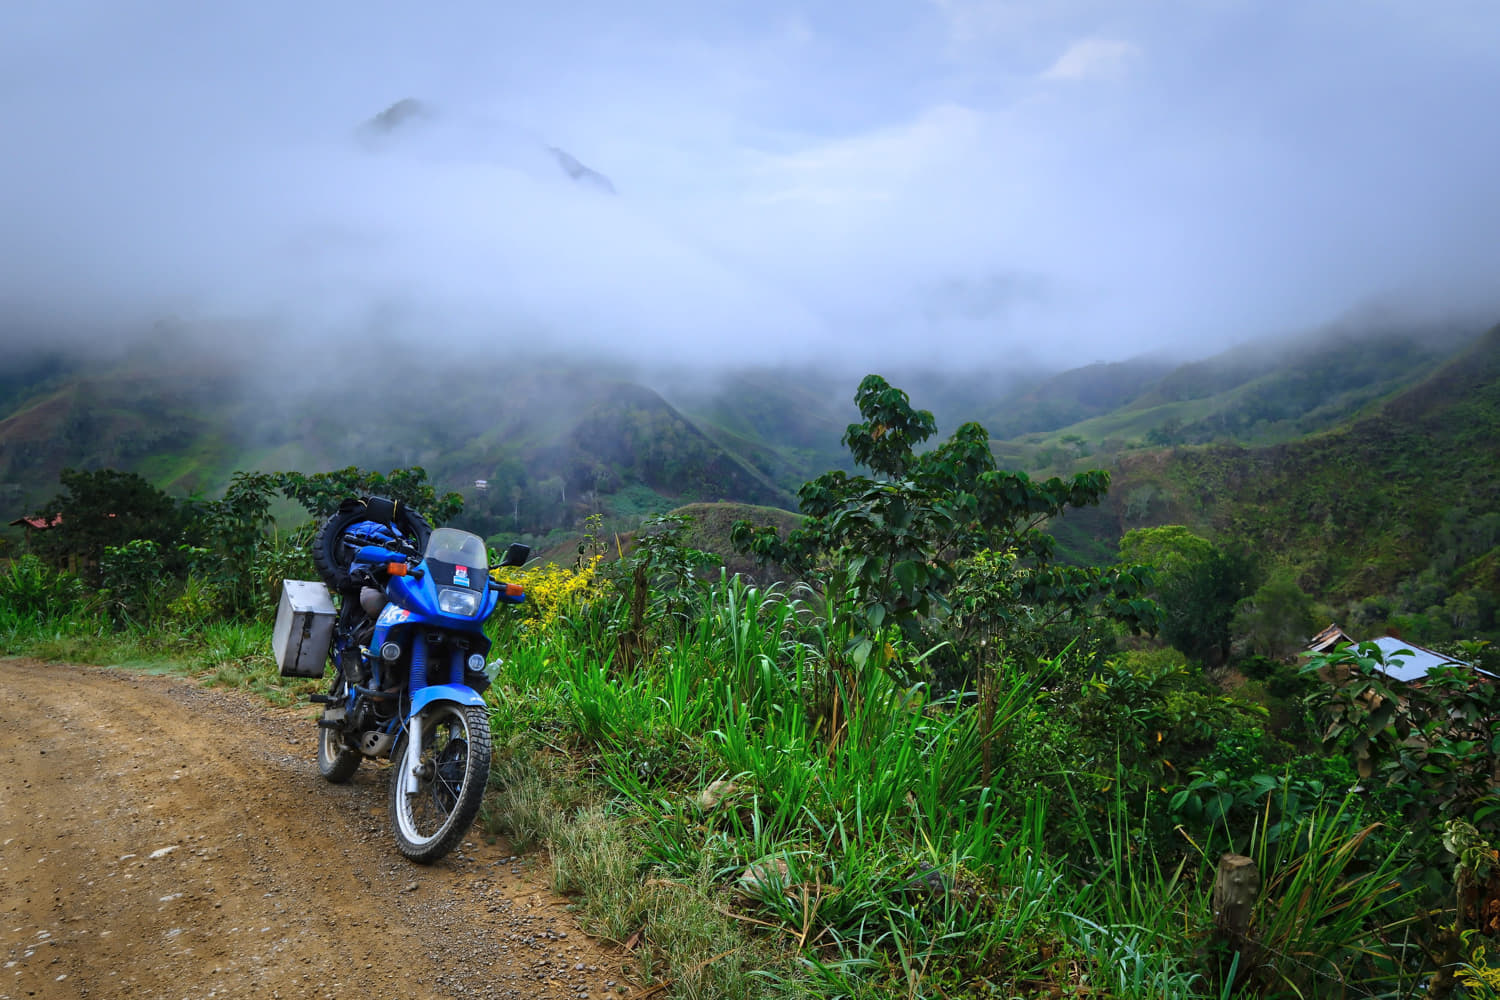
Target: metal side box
304, 629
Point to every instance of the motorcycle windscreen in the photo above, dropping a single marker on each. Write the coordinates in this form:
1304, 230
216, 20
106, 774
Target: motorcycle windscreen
457, 559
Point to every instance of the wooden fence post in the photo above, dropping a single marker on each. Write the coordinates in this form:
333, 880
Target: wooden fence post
1236, 888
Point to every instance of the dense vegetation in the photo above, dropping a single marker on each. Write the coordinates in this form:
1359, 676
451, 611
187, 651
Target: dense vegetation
940, 764
1239, 447
551, 446
1393, 520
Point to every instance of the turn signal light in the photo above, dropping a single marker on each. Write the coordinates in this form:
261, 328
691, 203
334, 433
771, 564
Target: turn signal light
396, 569
514, 590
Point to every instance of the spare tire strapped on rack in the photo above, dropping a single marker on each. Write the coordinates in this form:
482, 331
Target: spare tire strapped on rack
331, 556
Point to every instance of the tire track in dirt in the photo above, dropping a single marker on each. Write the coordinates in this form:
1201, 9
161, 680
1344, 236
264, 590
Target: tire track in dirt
159, 839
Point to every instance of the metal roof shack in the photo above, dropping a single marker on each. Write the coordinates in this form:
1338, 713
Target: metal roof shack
1404, 661
39, 522
1410, 663
1329, 639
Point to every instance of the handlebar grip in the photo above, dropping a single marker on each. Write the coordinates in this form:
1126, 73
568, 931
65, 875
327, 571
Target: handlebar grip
512, 593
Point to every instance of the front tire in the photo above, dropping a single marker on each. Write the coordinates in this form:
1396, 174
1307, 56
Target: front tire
432, 810
336, 762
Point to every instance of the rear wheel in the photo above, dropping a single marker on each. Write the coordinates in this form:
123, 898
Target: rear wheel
336, 762
432, 806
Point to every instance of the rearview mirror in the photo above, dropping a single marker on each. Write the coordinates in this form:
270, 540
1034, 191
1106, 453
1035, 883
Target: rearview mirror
516, 555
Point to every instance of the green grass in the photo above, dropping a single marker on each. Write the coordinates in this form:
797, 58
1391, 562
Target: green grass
887, 867
220, 654
635, 502
843, 851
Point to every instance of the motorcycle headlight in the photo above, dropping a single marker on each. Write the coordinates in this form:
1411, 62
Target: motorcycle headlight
453, 601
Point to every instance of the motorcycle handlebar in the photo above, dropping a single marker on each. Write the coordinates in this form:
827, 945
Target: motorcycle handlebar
400, 545
512, 593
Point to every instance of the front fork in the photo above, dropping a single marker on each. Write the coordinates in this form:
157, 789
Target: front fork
419, 678
413, 757
416, 680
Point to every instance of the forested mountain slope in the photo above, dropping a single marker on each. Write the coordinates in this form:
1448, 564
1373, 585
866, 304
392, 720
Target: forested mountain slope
1412, 487
548, 440
1260, 393
1399, 477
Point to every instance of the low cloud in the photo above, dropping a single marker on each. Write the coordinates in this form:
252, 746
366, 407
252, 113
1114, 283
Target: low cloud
699, 185
1095, 59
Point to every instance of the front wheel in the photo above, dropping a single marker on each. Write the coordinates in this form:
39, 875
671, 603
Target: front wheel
433, 804
336, 761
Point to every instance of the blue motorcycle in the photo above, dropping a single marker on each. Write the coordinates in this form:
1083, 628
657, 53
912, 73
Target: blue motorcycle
409, 653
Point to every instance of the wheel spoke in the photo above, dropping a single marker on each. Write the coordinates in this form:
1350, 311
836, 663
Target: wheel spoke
431, 813
337, 761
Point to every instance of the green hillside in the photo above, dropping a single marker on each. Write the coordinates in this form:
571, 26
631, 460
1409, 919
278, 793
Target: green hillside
1402, 503
1073, 396
1365, 462
1251, 395
163, 424
710, 524
568, 440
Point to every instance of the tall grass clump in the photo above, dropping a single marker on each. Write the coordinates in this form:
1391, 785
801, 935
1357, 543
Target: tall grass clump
49, 614
237, 654
743, 790
863, 840
1331, 915
30, 590
41, 605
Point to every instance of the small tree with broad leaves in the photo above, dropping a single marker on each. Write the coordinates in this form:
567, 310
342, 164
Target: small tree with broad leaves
901, 535
322, 492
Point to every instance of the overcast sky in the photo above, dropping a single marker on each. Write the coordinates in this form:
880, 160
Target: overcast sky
1069, 180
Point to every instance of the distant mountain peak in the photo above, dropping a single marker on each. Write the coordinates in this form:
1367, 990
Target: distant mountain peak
410, 112
404, 111
579, 172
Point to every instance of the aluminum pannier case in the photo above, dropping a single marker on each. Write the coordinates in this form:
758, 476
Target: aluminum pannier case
304, 629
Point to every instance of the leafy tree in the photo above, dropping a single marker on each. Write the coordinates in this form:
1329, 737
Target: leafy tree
899, 535
1169, 550
237, 527
1170, 432
994, 628
661, 567
507, 487
1198, 607
1277, 619
1462, 610
321, 493
131, 581
107, 508
1198, 586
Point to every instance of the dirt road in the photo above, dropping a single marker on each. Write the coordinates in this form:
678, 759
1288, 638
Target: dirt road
158, 839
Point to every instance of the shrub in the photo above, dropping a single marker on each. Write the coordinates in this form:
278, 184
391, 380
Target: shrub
131, 575
198, 602
34, 590
553, 591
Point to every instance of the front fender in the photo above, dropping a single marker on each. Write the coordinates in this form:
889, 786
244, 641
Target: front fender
443, 692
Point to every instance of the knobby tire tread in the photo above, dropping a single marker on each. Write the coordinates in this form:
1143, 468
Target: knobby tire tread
331, 556
477, 721
336, 762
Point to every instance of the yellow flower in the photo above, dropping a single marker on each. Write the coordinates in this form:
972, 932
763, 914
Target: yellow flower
552, 590
1481, 978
